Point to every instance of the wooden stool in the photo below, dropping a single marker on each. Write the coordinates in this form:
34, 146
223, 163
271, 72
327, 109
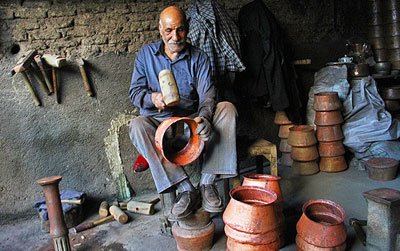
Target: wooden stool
253, 148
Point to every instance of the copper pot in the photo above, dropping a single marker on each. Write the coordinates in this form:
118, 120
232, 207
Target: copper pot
305, 168
328, 118
302, 135
332, 164
281, 118
358, 70
255, 239
377, 42
329, 133
390, 93
186, 155
302, 245
392, 105
251, 210
307, 153
331, 149
381, 55
284, 146
322, 223
232, 245
327, 101
286, 159
284, 131
193, 239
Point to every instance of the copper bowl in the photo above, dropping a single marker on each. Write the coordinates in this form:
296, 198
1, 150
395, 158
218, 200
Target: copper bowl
328, 118
302, 135
329, 133
322, 223
327, 101
331, 149
281, 118
286, 159
392, 105
390, 93
284, 131
284, 146
302, 245
305, 168
251, 210
332, 164
188, 153
307, 153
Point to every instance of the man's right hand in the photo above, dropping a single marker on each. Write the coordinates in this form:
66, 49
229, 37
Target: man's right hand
158, 100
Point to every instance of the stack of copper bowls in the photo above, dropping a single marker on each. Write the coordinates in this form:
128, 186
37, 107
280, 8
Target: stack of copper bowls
270, 182
384, 30
195, 232
321, 226
284, 124
250, 219
391, 97
329, 132
304, 149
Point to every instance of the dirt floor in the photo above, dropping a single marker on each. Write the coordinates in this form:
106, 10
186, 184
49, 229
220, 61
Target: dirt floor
143, 232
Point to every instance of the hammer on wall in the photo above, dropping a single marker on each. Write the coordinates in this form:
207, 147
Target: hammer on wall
39, 62
81, 65
55, 62
22, 65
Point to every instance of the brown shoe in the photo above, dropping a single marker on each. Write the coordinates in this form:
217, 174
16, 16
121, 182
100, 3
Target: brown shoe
210, 198
184, 205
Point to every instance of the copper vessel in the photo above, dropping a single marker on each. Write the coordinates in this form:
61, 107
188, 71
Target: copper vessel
392, 105
382, 169
322, 224
394, 54
307, 153
381, 55
232, 245
331, 149
194, 239
302, 245
329, 133
392, 29
327, 101
332, 164
391, 93
255, 239
391, 16
377, 42
284, 131
187, 154
392, 42
391, 5
281, 118
305, 168
301, 135
284, 146
328, 118
251, 210
374, 6
286, 159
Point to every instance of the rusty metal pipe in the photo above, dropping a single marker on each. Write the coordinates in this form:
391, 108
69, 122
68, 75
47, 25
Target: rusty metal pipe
58, 229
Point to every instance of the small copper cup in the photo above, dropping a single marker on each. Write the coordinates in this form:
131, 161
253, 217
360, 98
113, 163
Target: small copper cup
328, 118
331, 149
332, 164
326, 101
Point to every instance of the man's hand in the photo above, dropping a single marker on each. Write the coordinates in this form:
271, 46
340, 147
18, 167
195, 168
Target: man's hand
158, 100
203, 128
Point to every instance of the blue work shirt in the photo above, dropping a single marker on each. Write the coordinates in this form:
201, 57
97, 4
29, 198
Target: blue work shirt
192, 71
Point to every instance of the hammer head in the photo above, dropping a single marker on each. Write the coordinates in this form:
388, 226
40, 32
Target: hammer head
80, 62
25, 62
54, 60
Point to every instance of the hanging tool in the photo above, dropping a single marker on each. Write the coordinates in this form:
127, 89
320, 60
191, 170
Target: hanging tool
55, 62
39, 62
40, 82
85, 226
21, 67
81, 65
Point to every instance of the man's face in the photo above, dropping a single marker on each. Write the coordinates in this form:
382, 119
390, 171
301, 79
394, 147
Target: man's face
173, 33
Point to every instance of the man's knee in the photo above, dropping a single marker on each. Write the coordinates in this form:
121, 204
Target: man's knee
226, 110
139, 125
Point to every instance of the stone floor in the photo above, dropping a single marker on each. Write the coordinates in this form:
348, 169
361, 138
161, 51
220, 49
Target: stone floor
143, 232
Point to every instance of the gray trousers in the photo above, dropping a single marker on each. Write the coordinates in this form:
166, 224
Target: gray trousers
219, 155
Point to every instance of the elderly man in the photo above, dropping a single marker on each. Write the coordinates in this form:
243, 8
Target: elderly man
216, 123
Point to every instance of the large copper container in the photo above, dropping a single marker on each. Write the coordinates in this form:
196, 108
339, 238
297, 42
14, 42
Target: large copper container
254, 239
391, 5
186, 155
301, 135
322, 224
392, 29
284, 146
251, 210
193, 239
281, 118
331, 149
307, 153
327, 101
332, 164
329, 133
305, 168
392, 105
302, 245
284, 131
267, 181
286, 159
232, 245
394, 54
328, 118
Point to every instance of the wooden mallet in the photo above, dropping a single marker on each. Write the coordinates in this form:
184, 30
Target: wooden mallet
81, 65
55, 62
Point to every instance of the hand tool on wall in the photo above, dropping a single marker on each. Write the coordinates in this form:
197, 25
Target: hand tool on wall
85, 226
118, 214
55, 62
40, 82
22, 65
39, 62
81, 65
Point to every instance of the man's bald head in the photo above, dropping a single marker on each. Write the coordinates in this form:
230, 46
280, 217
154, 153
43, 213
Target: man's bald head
173, 29
172, 13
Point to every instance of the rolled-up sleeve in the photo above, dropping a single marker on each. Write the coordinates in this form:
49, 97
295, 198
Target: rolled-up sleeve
205, 88
139, 92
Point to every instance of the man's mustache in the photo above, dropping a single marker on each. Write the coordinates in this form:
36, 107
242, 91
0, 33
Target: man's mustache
180, 42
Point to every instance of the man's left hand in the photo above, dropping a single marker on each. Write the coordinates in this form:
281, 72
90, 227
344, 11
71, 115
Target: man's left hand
203, 128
